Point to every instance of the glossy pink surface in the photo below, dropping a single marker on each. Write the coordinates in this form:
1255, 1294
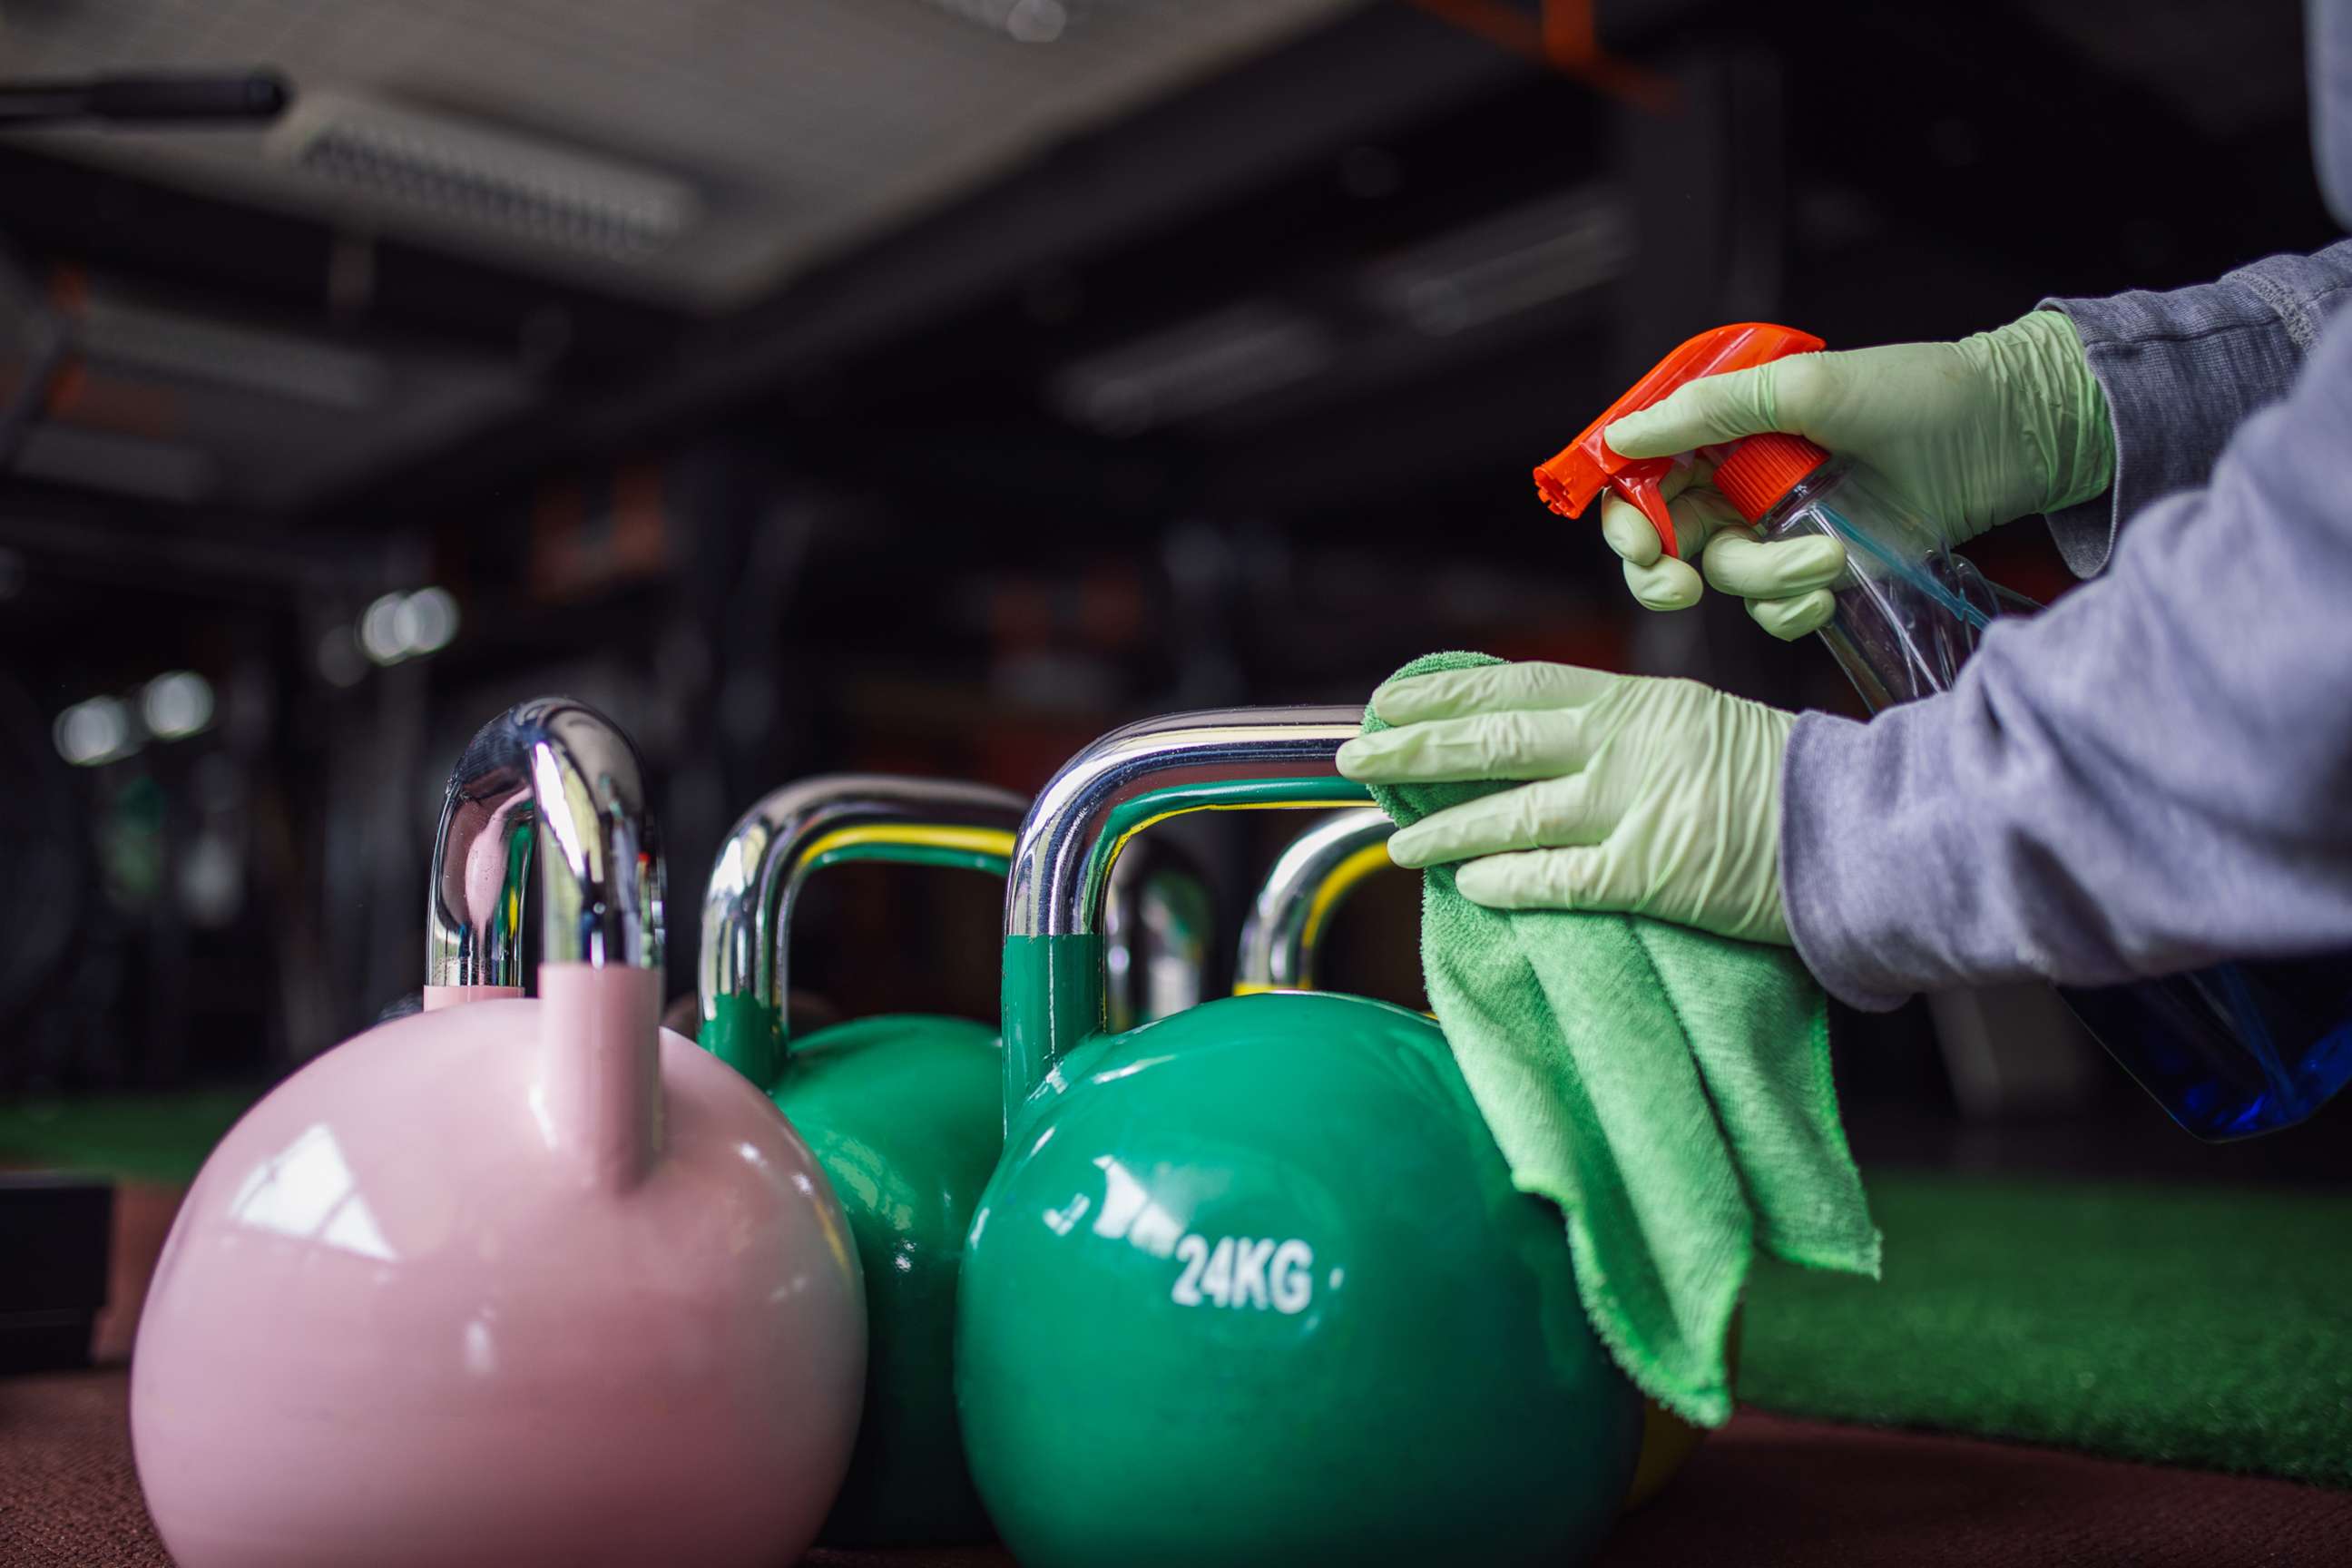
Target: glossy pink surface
512, 1282
435, 997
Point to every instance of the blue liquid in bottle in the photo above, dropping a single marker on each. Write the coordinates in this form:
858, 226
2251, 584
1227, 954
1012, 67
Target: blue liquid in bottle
2230, 1051
2233, 1050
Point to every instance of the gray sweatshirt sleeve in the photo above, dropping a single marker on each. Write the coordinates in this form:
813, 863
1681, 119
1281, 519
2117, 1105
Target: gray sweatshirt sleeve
2183, 370
2152, 775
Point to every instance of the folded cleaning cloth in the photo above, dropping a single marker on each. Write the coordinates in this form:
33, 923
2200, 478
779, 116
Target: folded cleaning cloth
1669, 1090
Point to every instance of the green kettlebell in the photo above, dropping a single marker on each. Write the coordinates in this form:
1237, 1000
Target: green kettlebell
902, 1111
1251, 1284
1281, 943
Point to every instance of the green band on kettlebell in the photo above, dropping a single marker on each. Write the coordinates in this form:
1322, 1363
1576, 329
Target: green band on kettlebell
1131, 817
1052, 1000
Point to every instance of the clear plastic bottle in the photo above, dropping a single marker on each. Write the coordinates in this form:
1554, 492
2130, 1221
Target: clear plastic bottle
1908, 610
2230, 1051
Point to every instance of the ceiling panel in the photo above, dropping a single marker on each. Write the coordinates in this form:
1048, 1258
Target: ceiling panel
761, 134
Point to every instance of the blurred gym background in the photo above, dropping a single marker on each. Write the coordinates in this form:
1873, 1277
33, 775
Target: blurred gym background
931, 385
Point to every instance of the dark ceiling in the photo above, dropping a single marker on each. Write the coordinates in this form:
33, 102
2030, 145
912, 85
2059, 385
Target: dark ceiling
1348, 272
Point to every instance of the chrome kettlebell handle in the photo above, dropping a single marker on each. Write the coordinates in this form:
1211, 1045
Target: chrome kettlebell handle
551, 777
1309, 880
1158, 925
747, 909
1055, 989
1183, 762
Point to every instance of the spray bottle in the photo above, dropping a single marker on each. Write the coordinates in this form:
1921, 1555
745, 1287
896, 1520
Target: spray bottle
2230, 1051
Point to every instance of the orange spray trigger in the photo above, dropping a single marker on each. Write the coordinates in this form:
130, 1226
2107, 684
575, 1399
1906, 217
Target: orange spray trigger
1588, 465
1644, 491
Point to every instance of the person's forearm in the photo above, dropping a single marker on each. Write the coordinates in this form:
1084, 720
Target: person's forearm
2183, 370
2148, 776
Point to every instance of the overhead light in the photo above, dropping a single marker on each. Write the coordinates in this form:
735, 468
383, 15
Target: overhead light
1026, 21
119, 464
1498, 267
1036, 21
101, 730
406, 625
427, 620
1204, 365
176, 705
454, 169
225, 353
94, 733
380, 631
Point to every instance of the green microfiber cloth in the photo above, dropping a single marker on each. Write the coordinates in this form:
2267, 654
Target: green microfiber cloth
1669, 1090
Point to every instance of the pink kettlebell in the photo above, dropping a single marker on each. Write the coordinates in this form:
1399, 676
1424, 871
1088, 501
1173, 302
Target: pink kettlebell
511, 1281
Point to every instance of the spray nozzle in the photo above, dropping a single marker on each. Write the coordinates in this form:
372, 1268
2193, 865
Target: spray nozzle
1587, 466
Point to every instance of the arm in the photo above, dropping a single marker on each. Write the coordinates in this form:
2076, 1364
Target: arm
2183, 370
2149, 776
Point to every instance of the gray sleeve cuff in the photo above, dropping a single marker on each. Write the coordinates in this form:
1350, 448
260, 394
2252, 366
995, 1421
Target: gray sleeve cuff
2183, 370
1816, 895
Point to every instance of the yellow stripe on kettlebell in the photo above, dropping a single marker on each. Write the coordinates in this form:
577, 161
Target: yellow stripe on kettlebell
995, 841
1120, 846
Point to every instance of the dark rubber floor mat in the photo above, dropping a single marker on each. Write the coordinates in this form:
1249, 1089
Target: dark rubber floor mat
1766, 1492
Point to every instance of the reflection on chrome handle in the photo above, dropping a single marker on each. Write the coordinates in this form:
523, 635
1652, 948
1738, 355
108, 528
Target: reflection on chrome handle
1278, 944
554, 778
1158, 926
1061, 868
747, 909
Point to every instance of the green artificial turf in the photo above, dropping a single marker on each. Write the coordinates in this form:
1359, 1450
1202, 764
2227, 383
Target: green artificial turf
2210, 1327
140, 1138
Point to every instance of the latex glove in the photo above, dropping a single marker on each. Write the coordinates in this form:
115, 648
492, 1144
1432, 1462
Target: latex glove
1976, 432
1654, 797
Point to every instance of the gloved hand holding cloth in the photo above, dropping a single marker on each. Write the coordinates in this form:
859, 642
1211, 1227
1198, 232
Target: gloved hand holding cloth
1611, 971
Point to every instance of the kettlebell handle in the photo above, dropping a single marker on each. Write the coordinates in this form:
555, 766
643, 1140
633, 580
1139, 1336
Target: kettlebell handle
555, 780
742, 980
1224, 759
1307, 884
1159, 922
550, 771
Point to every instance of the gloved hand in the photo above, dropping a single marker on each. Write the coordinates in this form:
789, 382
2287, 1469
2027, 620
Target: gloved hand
1654, 797
1995, 426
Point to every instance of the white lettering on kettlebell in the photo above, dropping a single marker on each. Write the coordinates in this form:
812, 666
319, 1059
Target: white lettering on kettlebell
1123, 1199
1294, 1278
1249, 1273
1192, 1252
1243, 1272
1217, 1284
